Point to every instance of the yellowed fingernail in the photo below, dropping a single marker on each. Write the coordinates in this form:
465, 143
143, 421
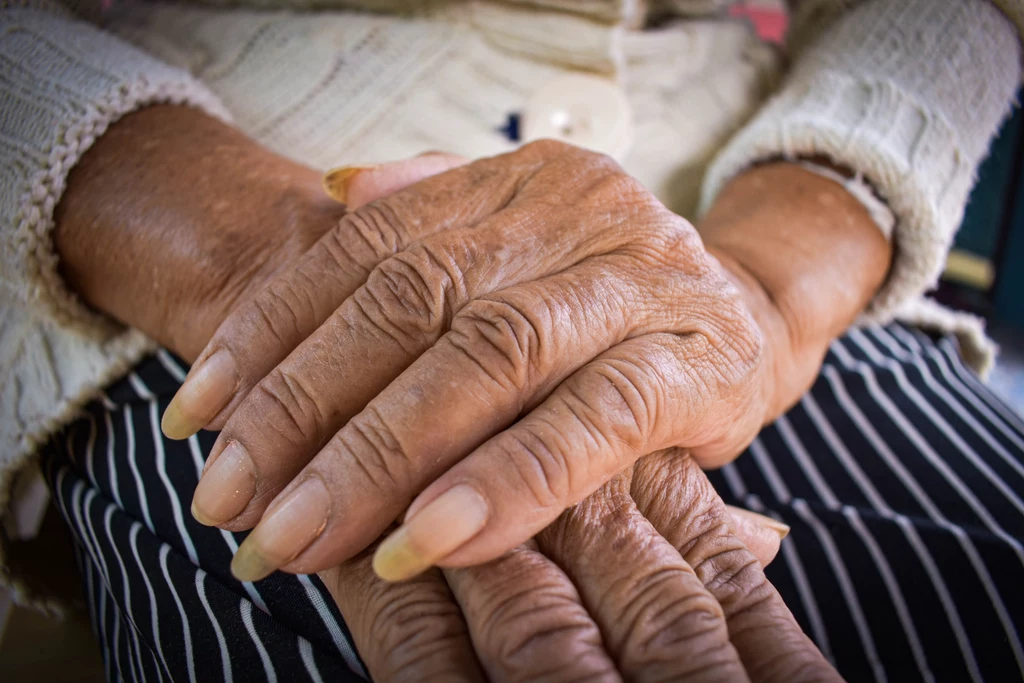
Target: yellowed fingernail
337, 180
437, 530
285, 531
226, 486
760, 520
205, 392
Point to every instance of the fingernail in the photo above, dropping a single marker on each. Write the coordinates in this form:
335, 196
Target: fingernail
438, 529
759, 520
226, 487
337, 180
285, 531
204, 394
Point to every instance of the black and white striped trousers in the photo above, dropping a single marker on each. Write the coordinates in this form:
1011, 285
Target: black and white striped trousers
901, 476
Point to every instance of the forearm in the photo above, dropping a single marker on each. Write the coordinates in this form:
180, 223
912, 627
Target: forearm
172, 215
807, 256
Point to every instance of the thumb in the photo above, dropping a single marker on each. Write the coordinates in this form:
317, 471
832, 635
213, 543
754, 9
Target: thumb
358, 185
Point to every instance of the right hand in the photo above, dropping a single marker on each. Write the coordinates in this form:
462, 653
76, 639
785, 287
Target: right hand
638, 582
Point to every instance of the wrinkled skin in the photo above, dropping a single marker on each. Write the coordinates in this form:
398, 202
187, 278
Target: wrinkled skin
198, 258
666, 592
544, 285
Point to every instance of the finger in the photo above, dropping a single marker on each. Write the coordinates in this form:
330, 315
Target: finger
643, 395
405, 306
501, 353
412, 631
356, 186
527, 622
675, 495
265, 328
658, 620
762, 535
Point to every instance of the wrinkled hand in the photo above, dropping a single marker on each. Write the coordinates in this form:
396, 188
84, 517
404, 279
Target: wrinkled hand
544, 286
657, 589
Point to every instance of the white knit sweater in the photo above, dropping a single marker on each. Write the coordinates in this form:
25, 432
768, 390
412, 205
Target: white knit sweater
906, 92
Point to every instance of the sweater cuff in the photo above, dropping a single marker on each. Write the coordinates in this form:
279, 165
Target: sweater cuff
914, 120
66, 82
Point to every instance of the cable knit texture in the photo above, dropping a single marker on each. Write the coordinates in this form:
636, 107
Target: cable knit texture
905, 92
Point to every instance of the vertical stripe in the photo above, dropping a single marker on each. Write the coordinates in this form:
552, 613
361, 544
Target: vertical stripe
842, 454
306, 651
133, 465
117, 636
892, 587
922, 445
268, 666
248, 586
90, 455
171, 366
172, 494
161, 464
98, 609
771, 474
910, 483
115, 490
792, 557
133, 542
225, 659
131, 628
340, 641
186, 630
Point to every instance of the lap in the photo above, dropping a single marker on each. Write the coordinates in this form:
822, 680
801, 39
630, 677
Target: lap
898, 473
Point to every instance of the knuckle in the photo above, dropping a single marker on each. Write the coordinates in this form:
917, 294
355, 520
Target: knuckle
376, 225
541, 467
297, 415
285, 310
617, 401
525, 638
664, 617
410, 297
501, 338
414, 625
379, 454
723, 564
546, 148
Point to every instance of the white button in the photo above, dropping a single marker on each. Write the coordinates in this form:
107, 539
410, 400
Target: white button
587, 111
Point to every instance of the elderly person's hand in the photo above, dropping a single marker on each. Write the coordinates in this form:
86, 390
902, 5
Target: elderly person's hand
247, 218
528, 327
657, 589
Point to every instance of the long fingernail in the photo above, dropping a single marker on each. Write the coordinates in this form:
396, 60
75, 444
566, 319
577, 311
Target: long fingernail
762, 521
204, 394
438, 529
284, 532
337, 181
226, 487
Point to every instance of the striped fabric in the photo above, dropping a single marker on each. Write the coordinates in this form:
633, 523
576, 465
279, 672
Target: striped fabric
901, 475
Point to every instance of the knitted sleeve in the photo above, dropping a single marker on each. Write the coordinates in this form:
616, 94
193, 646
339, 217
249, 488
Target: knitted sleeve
907, 93
63, 82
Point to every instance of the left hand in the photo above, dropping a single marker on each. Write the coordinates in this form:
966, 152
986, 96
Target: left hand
644, 580
571, 300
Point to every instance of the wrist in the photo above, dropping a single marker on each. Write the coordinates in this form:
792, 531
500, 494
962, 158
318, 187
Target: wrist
172, 215
807, 258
